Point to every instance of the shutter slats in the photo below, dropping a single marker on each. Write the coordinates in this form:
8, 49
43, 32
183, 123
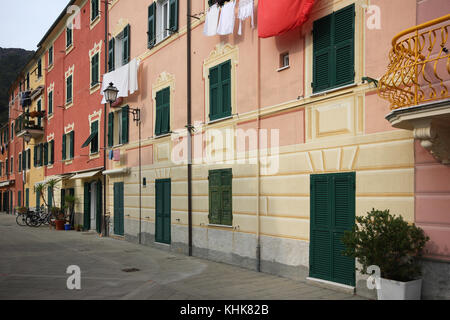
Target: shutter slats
173, 20
110, 129
151, 31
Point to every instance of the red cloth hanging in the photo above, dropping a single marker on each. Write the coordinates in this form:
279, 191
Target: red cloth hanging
276, 17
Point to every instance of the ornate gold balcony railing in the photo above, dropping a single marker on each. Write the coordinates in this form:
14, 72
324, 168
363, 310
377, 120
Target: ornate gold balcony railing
419, 65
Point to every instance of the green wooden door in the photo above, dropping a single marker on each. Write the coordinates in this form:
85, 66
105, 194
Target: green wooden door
332, 213
163, 211
118, 209
98, 218
87, 206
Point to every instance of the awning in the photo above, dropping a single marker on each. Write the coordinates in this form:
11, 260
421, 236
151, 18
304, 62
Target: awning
89, 140
116, 171
85, 175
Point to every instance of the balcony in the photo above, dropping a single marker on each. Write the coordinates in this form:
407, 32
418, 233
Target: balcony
417, 84
27, 125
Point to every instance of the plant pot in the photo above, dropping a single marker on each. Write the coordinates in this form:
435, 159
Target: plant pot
398, 290
59, 224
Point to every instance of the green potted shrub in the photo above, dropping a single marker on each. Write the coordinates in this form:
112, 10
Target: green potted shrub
394, 245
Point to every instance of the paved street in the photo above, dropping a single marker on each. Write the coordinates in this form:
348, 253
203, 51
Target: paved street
33, 263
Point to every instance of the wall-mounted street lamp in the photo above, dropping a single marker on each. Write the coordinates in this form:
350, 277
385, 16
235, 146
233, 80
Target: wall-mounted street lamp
110, 94
27, 137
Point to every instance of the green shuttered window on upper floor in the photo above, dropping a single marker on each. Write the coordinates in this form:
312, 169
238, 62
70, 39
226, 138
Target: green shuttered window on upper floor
50, 102
220, 91
119, 49
220, 197
69, 89
162, 122
118, 127
69, 36
333, 50
68, 142
95, 9
162, 20
95, 69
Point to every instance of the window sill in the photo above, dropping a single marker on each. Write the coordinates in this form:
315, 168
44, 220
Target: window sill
325, 92
68, 162
50, 67
50, 116
68, 104
162, 135
221, 119
50, 166
69, 49
283, 68
95, 88
95, 21
219, 225
94, 155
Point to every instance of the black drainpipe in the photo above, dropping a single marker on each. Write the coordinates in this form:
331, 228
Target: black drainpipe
189, 125
105, 127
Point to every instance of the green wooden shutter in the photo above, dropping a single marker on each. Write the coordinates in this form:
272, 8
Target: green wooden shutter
173, 11
110, 129
167, 212
94, 13
63, 148
94, 142
49, 197
29, 159
225, 77
344, 33
226, 197
27, 197
39, 108
19, 198
125, 125
35, 156
151, 30
126, 45
159, 202
118, 209
72, 144
94, 70
111, 56
24, 160
46, 153
69, 89
52, 152
214, 93
87, 206
320, 245
159, 104
215, 201
99, 207
50, 102
20, 162
322, 53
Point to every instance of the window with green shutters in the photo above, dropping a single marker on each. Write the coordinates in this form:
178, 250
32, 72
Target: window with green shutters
50, 56
46, 154
69, 34
162, 21
94, 69
50, 102
19, 198
69, 89
333, 50
51, 152
24, 160
94, 9
39, 108
110, 129
220, 91
332, 213
20, 162
125, 125
94, 142
6, 166
220, 197
12, 165
68, 145
162, 122
126, 45
49, 197
111, 55
39, 68
27, 197
151, 29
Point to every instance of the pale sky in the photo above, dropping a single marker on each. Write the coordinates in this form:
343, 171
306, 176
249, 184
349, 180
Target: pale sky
23, 23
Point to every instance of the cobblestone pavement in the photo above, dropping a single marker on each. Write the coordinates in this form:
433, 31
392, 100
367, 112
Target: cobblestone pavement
33, 264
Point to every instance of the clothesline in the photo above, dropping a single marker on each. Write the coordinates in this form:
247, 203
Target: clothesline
221, 19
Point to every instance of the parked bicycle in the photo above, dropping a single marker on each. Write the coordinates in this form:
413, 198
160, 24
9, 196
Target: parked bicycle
34, 218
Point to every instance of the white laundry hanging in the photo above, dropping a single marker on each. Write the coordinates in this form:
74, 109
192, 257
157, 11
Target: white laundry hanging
212, 19
227, 18
133, 81
245, 11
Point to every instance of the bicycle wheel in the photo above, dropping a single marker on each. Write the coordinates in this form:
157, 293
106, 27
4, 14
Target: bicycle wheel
21, 220
33, 221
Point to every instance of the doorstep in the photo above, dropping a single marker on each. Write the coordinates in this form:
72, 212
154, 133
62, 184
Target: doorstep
113, 236
331, 285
